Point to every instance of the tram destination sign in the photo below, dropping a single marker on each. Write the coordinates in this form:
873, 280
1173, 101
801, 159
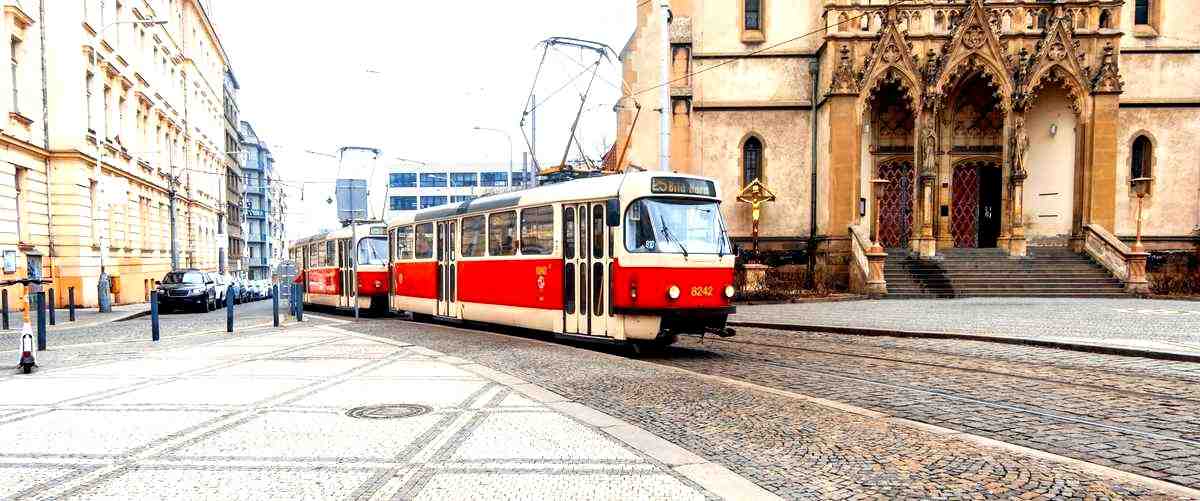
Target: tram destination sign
683, 186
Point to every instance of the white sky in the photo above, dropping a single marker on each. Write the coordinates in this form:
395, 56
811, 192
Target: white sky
411, 78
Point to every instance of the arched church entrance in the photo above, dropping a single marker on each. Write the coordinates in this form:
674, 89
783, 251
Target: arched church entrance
892, 119
978, 195
976, 127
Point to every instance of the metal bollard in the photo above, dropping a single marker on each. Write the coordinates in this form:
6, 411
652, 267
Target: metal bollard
275, 304
154, 334
51, 307
40, 303
299, 303
229, 312
4, 307
71, 303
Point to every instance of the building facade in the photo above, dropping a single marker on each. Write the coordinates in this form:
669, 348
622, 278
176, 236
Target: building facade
410, 188
277, 212
264, 206
932, 124
232, 262
112, 143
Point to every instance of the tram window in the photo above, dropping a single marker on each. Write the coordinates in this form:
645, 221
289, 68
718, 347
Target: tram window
597, 232
569, 233
404, 242
598, 288
330, 256
502, 228
569, 287
424, 241
473, 243
537, 231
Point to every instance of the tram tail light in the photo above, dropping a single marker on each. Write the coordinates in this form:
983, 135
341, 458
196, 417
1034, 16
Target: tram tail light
673, 292
633, 290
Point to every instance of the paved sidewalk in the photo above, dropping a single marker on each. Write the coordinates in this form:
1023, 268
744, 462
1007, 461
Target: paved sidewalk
1155, 326
317, 412
84, 317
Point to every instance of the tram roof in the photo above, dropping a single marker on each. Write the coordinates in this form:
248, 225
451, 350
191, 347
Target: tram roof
588, 188
344, 232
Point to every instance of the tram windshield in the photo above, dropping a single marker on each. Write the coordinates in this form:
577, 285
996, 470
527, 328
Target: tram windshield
675, 226
372, 251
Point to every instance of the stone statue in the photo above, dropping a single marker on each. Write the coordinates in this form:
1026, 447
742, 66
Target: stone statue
1020, 144
929, 158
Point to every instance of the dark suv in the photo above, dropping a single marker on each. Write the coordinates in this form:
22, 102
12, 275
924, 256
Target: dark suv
188, 288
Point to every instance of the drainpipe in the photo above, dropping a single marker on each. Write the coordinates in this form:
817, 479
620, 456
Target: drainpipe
814, 70
664, 160
46, 139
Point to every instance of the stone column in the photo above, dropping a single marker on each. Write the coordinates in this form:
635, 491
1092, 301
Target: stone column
1102, 151
1017, 245
844, 165
927, 245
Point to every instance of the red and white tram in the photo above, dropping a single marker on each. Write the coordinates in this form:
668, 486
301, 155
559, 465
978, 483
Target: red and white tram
326, 270
641, 257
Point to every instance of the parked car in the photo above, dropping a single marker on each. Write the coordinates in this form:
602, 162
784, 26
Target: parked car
221, 285
189, 288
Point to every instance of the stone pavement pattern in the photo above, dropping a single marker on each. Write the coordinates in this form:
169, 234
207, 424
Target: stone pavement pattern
792, 447
265, 416
1133, 414
1158, 325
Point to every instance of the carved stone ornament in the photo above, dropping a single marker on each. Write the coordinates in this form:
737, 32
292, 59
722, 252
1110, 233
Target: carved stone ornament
929, 148
843, 80
1056, 52
974, 37
1108, 76
1019, 144
891, 54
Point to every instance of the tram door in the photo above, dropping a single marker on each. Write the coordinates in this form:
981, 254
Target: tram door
346, 273
447, 275
573, 259
586, 269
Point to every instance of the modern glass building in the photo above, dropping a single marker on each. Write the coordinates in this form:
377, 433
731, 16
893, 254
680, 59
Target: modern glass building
414, 187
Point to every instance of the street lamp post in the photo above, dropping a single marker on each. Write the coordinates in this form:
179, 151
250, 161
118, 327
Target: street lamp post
1141, 187
510, 150
102, 299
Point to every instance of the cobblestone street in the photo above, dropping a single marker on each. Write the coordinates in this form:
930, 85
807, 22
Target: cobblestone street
1010, 421
1155, 325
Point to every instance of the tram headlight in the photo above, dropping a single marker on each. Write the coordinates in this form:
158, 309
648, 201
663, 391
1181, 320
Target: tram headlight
729, 291
673, 292
378, 284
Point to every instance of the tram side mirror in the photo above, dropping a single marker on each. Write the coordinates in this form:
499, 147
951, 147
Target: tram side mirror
613, 212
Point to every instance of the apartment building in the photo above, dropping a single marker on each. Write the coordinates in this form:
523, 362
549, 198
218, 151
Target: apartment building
114, 157
420, 187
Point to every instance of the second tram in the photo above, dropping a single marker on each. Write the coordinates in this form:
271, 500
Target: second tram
326, 270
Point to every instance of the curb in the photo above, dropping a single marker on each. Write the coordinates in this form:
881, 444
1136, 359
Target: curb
1174, 356
130, 316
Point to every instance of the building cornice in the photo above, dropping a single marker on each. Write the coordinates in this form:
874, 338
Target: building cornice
1173, 49
773, 105
1164, 102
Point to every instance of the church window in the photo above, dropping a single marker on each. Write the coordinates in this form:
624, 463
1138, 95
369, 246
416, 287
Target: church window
1105, 20
752, 151
1141, 158
1141, 12
753, 15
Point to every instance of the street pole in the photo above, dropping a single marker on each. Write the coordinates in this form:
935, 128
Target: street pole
664, 124
171, 209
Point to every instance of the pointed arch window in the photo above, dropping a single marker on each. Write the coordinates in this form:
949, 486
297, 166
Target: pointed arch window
1141, 158
1105, 20
752, 160
752, 15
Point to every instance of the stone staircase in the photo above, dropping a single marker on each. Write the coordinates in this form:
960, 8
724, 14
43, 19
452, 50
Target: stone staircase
1045, 272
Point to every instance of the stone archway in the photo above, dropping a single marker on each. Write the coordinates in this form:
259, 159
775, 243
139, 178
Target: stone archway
890, 119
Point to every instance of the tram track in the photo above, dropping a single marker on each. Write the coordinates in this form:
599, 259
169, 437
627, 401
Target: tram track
1095, 387
944, 394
